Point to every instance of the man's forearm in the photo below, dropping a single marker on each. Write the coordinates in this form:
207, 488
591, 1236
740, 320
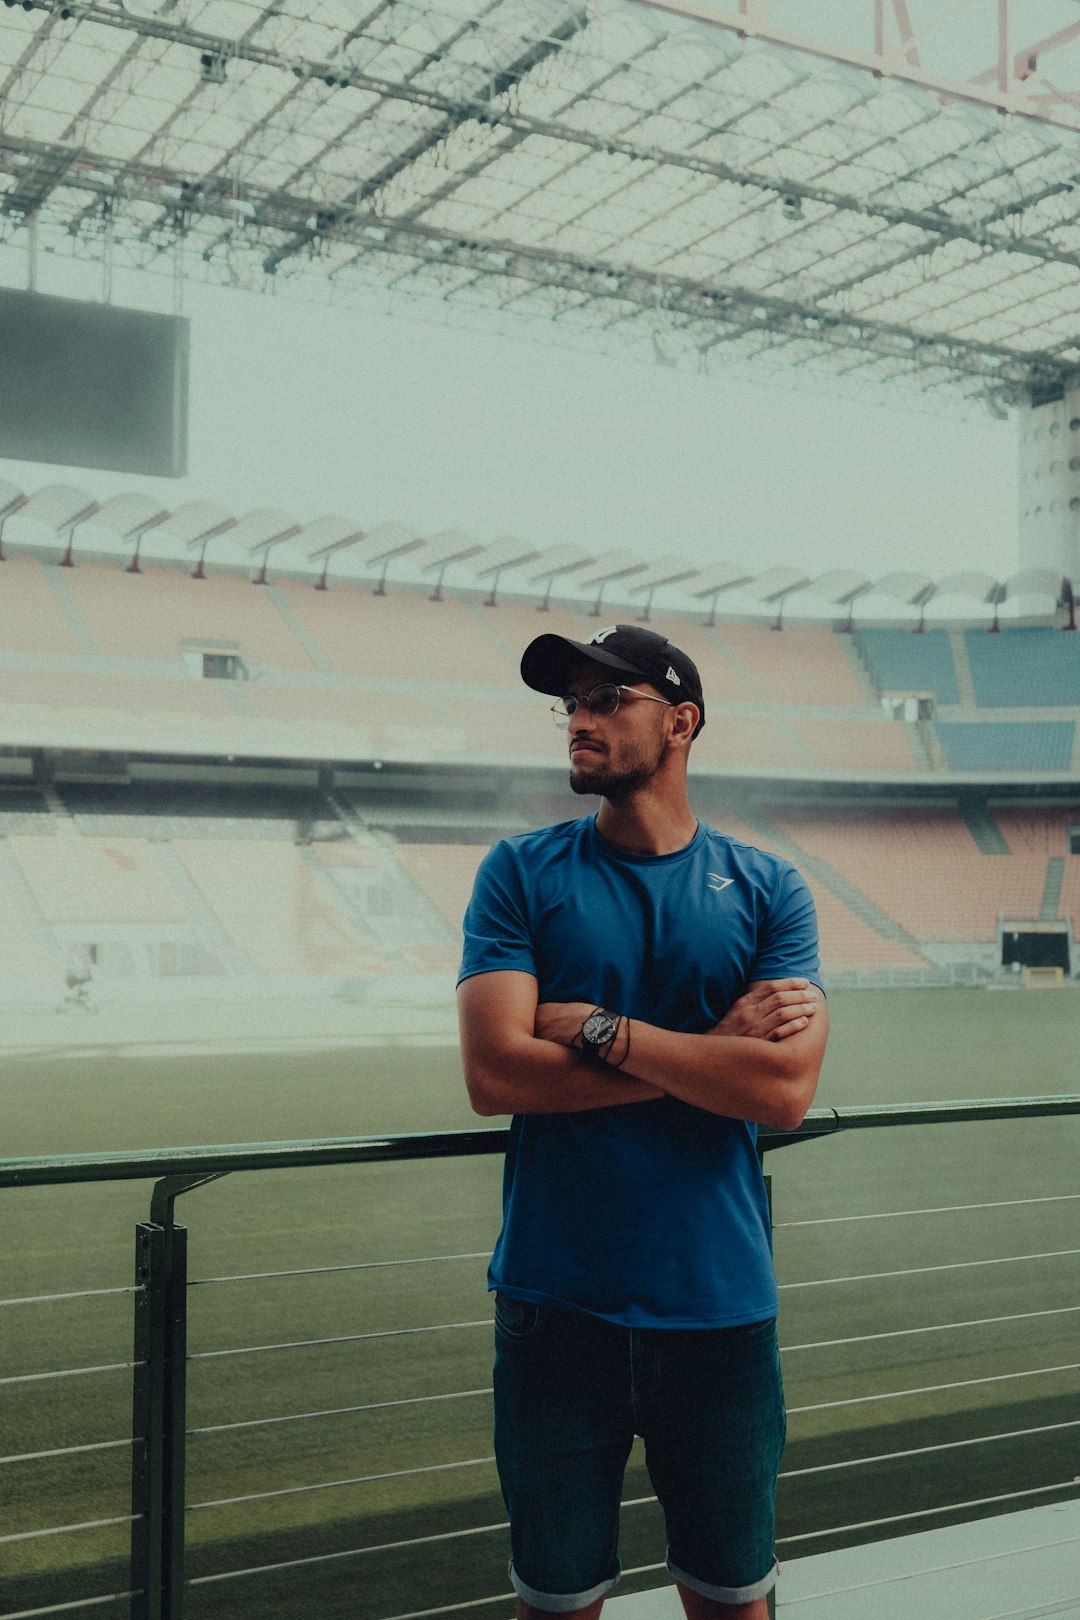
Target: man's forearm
532, 1076
736, 1075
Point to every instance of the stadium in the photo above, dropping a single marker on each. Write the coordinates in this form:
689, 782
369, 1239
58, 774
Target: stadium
251, 756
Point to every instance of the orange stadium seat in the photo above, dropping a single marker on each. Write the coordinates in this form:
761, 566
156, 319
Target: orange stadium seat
445, 872
920, 865
99, 880
848, 944
857, 745
150, 615
800, 664
270, 902
32, 618
401, 634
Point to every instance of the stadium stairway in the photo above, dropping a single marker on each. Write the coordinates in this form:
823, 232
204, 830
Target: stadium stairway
1051, 895
846, 892
965, 682
852, 653
982, 826
208, 926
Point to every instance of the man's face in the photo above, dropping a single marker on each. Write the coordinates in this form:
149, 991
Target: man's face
616, 755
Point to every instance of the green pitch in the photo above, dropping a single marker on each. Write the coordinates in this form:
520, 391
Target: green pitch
422, 1394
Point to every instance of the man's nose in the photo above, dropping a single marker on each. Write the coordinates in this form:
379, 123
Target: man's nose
582, 718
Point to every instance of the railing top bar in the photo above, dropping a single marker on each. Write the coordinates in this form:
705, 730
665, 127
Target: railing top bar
824, 1121
220, 1158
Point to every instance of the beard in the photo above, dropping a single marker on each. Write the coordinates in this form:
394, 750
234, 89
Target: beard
617, 783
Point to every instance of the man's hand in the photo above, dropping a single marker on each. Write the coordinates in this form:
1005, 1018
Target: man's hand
561, 1021
771, 1010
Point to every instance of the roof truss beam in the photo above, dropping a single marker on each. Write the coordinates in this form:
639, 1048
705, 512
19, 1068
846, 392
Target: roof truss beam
492, 111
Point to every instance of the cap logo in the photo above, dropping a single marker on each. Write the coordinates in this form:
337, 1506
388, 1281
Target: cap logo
602, 635
671, 676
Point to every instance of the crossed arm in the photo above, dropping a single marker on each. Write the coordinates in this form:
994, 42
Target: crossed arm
760, 1062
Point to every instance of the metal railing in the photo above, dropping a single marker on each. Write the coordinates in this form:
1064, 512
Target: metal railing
160, 1355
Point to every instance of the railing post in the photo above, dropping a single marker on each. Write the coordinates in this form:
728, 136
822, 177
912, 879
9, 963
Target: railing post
770, 1599
146, 1422
175, 1426
159, 1420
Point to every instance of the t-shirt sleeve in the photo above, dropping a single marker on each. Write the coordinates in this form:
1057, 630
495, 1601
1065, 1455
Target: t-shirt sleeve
787, 946
497, 932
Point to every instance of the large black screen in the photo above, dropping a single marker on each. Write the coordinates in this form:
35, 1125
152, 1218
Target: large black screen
91, 385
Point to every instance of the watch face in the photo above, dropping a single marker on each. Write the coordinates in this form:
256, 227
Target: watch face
598, 1029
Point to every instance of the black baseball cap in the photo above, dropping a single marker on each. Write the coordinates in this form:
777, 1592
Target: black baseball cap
628, 649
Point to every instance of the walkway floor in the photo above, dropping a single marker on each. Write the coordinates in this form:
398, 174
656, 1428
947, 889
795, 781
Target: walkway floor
1018, 1566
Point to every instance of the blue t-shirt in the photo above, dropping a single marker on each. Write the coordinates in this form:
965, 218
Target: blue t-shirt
649, 1214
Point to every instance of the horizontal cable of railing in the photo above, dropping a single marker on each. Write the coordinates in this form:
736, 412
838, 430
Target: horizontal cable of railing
67, 1529
338, 1338
339, 1484
220, 1159
67, 1451
325, 1271
925, 1271
935, 1327
69, 1372
335, 1411
71, 1606
82, 1293
932, 1389
937, 1209
470, 1531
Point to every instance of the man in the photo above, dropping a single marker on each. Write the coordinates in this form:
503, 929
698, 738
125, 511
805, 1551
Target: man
635, 989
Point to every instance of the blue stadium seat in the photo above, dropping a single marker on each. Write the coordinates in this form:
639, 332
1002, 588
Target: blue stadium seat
1007, 745
1027, 667
902, 662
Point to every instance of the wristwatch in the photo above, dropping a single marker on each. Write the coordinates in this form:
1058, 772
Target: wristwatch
598, 1031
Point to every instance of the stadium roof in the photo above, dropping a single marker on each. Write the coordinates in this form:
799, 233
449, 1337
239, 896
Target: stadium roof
695, 181
64, 523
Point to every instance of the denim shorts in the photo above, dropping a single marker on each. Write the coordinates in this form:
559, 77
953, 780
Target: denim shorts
572, 1390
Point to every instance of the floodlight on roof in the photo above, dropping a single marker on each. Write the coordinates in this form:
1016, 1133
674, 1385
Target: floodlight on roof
905, 587
982, 587
603, 570
259, 531
664, 571
552, 562
197, 523
722, 576
837, 589
61, 508
438, 553
12, 500
385, 542
775, 583
129, 517
510, 552
324, 537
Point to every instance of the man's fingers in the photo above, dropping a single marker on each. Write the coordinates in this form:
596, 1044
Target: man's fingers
782, 1031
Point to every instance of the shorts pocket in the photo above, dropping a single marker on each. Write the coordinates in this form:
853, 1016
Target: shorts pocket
516, 1319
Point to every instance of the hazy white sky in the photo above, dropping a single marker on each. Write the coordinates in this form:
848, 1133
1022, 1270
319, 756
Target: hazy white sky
317, 410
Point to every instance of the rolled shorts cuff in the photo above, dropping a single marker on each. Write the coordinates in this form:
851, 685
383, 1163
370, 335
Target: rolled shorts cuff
726, 1594
560, 1602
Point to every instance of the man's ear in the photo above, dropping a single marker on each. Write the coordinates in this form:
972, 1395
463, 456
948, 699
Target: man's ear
684, 717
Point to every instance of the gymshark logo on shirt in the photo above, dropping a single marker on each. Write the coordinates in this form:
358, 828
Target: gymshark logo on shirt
718, 883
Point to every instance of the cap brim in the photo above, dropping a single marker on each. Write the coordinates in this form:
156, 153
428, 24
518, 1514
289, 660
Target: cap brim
546, 662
